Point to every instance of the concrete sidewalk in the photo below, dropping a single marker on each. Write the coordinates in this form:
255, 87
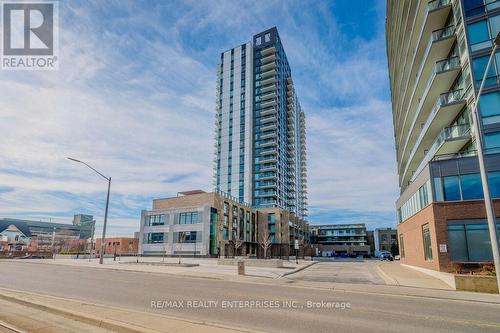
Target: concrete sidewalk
34, 312
207, 268
396, 274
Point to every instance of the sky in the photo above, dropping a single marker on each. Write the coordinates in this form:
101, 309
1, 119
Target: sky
134, 97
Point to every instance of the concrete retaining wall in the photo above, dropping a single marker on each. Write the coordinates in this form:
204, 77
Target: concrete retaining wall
275, 263
477, 283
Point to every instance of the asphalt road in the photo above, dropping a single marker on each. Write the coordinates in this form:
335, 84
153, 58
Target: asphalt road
367, 312
342, 271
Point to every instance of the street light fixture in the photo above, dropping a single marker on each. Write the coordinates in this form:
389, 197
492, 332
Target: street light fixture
477, 126
101, 257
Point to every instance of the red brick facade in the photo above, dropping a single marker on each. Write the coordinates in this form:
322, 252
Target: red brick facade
118, 245
437, 215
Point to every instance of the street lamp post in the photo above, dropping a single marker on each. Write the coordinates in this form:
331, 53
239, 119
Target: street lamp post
477, 126
101, 257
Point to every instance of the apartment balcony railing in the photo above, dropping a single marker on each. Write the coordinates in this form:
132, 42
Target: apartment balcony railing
268, 151
268, 95
266, 135
443, 74
435, 16
268, 80
449, 141
268, 66
268, 87
266, 111
268, 73
268, 167
268, 59
268, 103
267, 127
266, 143
266, 176
267, 119
446, 108
268, 50
266, 184
442, 157
265, 193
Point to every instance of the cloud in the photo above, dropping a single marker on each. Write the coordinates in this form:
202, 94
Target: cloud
135, 98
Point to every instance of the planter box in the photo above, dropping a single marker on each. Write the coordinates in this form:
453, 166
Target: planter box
477, 283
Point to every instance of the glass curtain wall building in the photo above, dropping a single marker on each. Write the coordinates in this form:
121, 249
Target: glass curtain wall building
260, 147
437, 53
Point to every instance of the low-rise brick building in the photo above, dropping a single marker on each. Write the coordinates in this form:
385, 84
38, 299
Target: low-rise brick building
118, 246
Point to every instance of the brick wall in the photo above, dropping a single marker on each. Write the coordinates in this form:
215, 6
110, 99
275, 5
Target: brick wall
437, 215
122, 245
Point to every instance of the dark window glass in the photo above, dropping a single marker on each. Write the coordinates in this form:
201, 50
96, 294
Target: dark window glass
479, 66
478, 242
490, 107
479, 35
494, 182
492, 142
155, 237
473, 7
471, 186
451, 188
426, 235
457, 243
402, 246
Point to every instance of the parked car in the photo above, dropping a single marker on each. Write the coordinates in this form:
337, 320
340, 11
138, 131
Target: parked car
386, 256
397, 257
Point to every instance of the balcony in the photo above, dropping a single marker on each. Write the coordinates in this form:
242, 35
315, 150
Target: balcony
268, 73
268, 50
266, 193
442, 77
268, 127
267, 119
267, 59
268, 66
269, 111
439, 46
268, 151
268, 81
266, 176
267, 135
267, 88
434, 17
268, 96
266, 184
268, 103
446, 108
267, 159
449, 142
268, 167
267, 143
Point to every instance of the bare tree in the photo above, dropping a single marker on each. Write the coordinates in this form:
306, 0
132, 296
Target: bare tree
265, 241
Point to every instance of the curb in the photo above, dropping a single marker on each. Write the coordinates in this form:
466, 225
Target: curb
296, 270
88, 319
387, 279
109, 324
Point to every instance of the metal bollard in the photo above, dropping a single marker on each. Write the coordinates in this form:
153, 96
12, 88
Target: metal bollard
241, 267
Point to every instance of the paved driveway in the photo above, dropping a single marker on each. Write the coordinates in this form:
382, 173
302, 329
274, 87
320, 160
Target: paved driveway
342, 271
